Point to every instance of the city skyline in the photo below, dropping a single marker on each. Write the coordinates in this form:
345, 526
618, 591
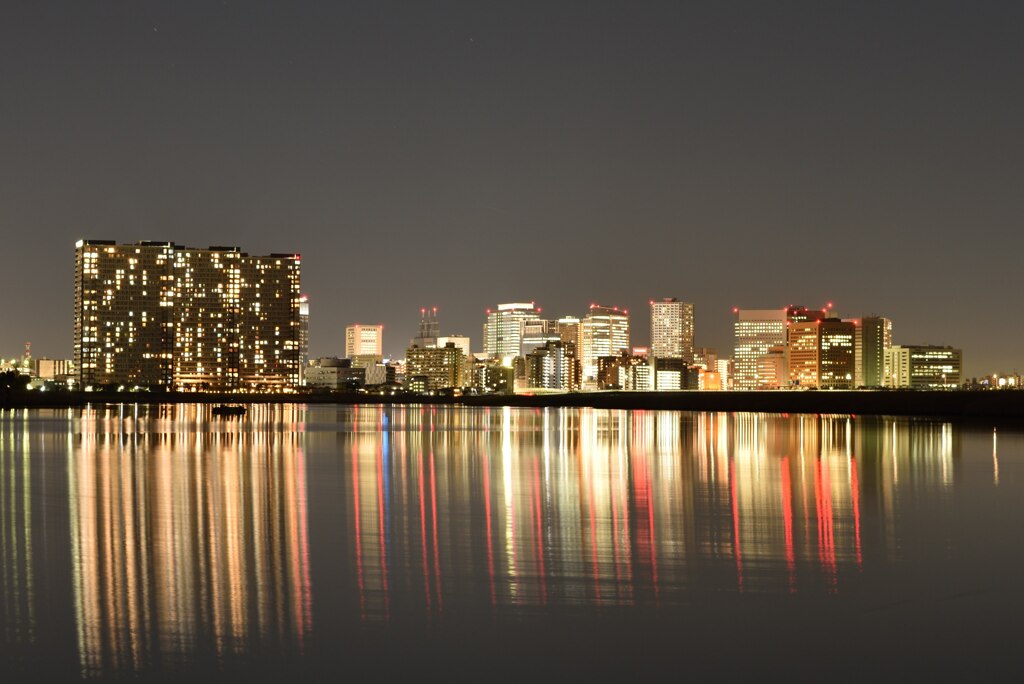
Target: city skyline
679, 322
491, 152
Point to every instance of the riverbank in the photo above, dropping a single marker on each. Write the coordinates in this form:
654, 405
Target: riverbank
1004, 405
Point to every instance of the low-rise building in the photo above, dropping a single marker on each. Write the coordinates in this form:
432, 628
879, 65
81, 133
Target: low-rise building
429, 369
923, 367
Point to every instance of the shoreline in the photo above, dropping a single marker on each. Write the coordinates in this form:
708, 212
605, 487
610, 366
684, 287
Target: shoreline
1003, 405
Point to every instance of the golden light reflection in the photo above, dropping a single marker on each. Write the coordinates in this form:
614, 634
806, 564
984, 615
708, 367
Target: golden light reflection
183, 537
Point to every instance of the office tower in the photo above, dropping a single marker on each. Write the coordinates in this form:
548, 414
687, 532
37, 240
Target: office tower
537, 333
801, 314
874, 337
429, 329
434, 368
674, 374
923, 367
604, 331
303, 335
158, 314
755, 331
364, 341
672, 329
569, 331
821, 354
773, 369
553, 366
503, 330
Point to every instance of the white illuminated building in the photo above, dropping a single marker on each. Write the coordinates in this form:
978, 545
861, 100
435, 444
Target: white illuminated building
503, 331
671, 329
604, 331
755, 332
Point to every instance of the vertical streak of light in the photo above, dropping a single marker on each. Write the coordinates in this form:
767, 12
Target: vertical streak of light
487, 516
995, 459
509, 497
826, 540
437, 561
735, 525
358, 525
423, 534
383, 542
539, 532
855, 491
787, 521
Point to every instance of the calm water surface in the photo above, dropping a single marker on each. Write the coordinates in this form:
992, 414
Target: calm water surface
321, 542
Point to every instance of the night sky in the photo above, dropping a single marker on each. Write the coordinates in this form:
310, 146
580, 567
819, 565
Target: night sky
463, 154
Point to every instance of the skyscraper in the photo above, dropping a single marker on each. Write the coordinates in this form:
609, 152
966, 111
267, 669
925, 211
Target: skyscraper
875, 335
821, 353
154, 313
755, 332
672, 329
503, 330
303, 336
364, 340
604, 331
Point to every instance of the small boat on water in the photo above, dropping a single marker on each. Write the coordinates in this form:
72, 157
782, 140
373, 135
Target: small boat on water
228, 410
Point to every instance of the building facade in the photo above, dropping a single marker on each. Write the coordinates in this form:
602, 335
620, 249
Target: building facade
553, 366
923, 367
364, 340
158, 314
604, 332
503, 330
874, 337
754, 332
821, 354
672, 329
434, 368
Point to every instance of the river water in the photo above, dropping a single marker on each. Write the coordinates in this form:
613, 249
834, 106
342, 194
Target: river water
322, 542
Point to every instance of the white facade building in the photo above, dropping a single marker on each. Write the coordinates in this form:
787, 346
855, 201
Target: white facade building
672, 329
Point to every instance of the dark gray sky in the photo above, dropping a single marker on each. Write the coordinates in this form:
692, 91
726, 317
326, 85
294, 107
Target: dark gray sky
462, 154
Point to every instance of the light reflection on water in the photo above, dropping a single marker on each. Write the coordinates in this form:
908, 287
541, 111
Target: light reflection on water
171, 537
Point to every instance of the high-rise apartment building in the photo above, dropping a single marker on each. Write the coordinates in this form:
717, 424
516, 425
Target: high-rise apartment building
155, 313
364, 340
553, 366
755, 331
303, 336
672, 329
503, 330
604, 331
